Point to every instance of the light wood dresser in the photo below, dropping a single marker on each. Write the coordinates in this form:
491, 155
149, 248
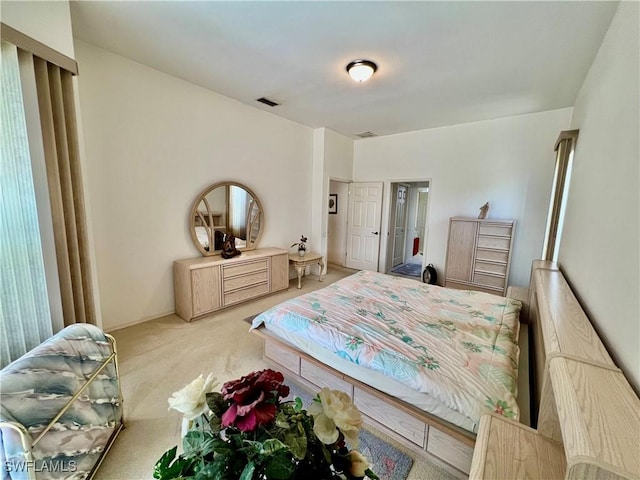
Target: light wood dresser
205, 284
479, 254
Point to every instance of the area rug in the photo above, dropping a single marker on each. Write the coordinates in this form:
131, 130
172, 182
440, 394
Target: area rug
410, 269
386, 461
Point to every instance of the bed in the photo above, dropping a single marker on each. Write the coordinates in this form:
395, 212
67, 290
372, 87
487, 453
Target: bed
450, 353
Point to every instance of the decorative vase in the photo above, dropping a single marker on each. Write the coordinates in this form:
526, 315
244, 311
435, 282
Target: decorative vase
186, 426
302, 251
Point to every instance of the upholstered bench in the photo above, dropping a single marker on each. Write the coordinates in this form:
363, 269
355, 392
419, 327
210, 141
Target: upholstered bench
60, 406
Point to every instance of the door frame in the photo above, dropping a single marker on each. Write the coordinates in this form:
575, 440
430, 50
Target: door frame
386, 256
343, 204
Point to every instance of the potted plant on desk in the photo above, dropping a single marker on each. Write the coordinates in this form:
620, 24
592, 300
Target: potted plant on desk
302, 245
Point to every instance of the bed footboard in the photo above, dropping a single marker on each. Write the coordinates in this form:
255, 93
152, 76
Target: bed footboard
441, 442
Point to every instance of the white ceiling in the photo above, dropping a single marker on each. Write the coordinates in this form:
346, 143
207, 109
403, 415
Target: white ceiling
439, 63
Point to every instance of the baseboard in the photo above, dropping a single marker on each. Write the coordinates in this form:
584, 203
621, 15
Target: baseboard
142, 320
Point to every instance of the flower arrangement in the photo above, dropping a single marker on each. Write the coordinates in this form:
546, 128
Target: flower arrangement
247, 431
302, 245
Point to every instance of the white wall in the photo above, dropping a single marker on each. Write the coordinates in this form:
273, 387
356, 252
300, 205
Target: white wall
153, 142
337, 226
332, 159
600, 243
48, 22
508, 162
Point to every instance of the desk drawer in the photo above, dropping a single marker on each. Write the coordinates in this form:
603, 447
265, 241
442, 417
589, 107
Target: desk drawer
244, 280
249, 267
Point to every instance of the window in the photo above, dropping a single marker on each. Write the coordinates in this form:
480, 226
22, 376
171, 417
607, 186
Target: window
565, 147
25, 319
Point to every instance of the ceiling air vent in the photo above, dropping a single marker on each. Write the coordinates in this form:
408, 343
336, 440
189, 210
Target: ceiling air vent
266, 101
366, 135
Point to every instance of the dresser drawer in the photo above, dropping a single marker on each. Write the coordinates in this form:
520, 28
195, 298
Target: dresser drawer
245, 294
323, 378
489, 280
248, 267
488, 241
492, 255
240, 281
391, 417
495, 229
500, 269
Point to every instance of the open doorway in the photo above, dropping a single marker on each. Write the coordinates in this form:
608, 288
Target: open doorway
337, 222
406, 248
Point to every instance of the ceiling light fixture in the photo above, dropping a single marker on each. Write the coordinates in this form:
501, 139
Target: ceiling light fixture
361, 70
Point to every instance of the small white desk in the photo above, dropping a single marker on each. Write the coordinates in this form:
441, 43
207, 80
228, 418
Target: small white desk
300, 264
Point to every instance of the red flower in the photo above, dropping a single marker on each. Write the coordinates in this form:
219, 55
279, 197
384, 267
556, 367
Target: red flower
253, 399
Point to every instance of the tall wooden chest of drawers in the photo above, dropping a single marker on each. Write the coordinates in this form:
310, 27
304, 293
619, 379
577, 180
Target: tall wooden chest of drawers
479, 254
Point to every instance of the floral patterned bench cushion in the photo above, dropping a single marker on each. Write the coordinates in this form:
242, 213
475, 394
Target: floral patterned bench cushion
37, 386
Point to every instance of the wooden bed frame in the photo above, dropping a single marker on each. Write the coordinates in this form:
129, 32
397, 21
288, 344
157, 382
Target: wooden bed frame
565, 443
587, 414
444, 443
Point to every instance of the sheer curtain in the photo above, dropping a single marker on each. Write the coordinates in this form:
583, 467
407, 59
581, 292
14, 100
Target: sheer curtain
50, 135
238, 211
25, 319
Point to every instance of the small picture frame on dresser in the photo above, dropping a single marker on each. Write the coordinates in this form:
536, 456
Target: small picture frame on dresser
333, 203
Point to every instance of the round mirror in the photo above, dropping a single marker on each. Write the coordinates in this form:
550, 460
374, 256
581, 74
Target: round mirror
225, 208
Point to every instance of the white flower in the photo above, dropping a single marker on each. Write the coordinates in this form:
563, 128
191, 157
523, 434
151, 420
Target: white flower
335, 409
191, 400
359, 464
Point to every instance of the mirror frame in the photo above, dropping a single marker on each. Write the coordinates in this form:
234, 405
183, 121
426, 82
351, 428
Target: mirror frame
200, 198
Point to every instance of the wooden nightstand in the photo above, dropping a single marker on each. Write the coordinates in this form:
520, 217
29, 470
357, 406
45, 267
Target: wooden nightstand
300, 264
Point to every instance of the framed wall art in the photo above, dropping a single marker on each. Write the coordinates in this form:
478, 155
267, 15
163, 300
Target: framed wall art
333, 203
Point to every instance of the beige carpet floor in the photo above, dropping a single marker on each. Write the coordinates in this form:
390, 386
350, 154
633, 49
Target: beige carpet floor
160, 356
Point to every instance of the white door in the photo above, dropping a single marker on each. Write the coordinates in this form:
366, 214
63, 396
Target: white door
363, 225
399, 232
421, 216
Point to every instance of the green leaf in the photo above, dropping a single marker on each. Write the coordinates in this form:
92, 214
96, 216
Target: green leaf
280, 467
281, 420
273, 445
198, 444
215, 423
297, 443
167, 469
371, 475
298, 406
247, 473
216, 403
163, 463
